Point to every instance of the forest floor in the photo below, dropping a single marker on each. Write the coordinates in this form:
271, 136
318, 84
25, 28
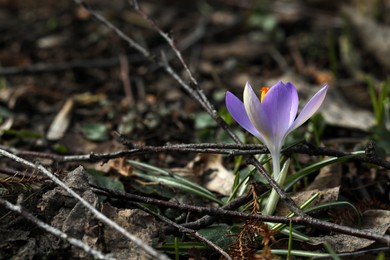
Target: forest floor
101, 105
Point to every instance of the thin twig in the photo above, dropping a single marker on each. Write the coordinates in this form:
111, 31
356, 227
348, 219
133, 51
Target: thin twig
166, 37
184, 207
183, 229
213, 148
202, 99
194, 91
54, 231
305, 220
20, 175
191, 91
109, 25
148, 249
198, 94
283, 195
208, 220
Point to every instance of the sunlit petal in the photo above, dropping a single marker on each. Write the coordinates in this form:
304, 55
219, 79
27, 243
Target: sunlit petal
237, 111
271, 119
294, 102
280, 104
310, 108
255, 112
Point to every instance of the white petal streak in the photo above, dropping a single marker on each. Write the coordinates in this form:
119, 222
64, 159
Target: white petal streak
256, 113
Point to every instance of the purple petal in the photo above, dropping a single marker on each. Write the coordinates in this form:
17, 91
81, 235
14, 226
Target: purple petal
294, 102
280, 104
310, 108
237, 111
256, 113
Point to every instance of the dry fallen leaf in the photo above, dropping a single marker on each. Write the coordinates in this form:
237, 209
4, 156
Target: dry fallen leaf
327, 183
329, 177
377, 221
215, 177
61, 122
326, 195
121, 166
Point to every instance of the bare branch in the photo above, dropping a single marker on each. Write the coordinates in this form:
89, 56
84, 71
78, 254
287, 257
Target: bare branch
198, 94
54, 231
183, 229
148, 249
305, 220
166, 37
213, 148
123, 36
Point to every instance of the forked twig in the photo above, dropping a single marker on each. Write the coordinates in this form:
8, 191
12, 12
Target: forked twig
144, 246
305, 220
213, 148
198, 94
166, 37
183, 229
202, 99
54, 231
123, 36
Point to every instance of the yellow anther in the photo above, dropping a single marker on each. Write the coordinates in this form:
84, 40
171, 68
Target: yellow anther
263, 91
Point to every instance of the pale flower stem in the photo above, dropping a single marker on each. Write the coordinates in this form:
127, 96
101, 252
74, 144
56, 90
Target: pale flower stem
273, 198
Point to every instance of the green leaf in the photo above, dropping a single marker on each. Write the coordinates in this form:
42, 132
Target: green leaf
5, 112
240, 180
292, 232
290, 181
333, 204
60, 149
267, 22
299, 253
104, 181
94, 131
22, 133
156, 189
186, 186
164, 177
183, 246
203, 120
221, 235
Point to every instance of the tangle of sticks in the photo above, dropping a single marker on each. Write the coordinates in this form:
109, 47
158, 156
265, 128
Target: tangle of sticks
195, 91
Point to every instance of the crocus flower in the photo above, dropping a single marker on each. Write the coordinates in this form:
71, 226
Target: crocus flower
272, 116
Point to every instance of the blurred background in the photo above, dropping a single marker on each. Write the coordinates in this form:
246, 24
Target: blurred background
69, 85
57, 61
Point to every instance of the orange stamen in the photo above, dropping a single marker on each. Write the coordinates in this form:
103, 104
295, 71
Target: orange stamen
263, 91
